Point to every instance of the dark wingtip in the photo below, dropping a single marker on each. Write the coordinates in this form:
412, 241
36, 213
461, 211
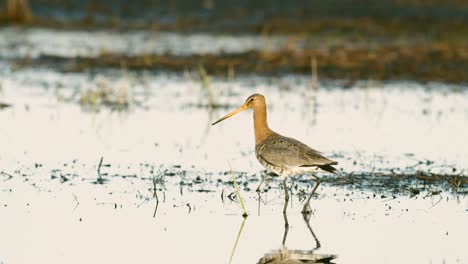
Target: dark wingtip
329, 168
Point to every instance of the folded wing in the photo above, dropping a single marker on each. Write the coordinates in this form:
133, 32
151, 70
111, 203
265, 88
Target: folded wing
288, 152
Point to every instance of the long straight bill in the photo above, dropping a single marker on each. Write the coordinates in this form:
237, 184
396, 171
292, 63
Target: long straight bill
238, 110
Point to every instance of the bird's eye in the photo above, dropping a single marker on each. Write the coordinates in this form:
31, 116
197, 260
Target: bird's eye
251, 100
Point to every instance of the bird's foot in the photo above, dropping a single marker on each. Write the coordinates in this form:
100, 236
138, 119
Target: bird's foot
263, 190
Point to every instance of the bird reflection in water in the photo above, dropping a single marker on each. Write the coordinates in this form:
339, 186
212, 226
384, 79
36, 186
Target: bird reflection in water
287, 256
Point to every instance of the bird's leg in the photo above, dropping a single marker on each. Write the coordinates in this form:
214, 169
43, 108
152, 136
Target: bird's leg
261, 182
307, 221
307, 209
286, 229
265, 179
286, 196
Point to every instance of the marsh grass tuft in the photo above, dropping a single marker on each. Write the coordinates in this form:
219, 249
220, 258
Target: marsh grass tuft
18, 11
231, 74
105, 93
206, 84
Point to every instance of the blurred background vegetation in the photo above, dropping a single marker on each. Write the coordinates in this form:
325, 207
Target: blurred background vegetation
423, 40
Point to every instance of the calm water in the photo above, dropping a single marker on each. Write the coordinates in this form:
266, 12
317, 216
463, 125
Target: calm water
53, 211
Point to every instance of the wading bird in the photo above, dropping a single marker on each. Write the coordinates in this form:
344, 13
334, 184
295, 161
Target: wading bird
282, 155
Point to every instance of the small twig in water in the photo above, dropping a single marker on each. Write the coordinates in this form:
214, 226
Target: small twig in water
232, 196
99, 166
155, 195
76, 200
8, 175
438, 201
100, 180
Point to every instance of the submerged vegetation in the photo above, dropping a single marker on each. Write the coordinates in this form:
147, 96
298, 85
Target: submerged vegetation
116, 95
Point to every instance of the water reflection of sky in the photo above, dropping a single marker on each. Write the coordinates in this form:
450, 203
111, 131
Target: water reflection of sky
384, 125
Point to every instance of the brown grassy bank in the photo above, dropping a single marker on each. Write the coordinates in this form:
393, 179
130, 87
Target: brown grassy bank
445, 62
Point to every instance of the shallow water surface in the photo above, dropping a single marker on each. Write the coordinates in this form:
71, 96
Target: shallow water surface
56, 206
92, 223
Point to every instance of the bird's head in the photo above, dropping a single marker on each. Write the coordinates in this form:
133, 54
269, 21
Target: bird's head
252, 102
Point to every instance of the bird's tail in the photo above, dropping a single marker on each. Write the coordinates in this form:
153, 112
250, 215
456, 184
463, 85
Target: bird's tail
328, 168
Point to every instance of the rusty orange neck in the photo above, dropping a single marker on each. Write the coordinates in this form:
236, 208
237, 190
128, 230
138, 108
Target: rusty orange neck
262, 131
